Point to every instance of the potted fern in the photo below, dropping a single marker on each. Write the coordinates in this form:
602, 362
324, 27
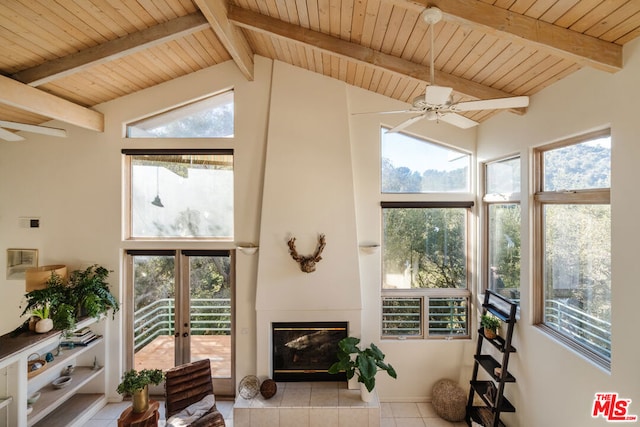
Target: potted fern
136, 384
363, 363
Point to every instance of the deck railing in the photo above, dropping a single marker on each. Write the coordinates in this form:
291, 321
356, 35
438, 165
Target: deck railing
588, 330
209, 316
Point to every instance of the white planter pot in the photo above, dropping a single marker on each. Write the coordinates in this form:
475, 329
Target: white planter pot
365, 394
44, 325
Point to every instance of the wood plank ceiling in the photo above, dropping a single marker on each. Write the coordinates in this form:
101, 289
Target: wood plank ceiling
61, 57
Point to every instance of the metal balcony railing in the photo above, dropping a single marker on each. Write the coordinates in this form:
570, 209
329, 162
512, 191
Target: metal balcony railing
588, 330
208, 316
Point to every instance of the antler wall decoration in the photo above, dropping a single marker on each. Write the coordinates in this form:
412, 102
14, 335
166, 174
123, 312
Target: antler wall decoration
307, 263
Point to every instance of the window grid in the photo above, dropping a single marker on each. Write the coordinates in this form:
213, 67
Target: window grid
405, 317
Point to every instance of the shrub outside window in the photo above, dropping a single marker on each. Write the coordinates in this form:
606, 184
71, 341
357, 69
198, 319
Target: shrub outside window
425, 247
573, 219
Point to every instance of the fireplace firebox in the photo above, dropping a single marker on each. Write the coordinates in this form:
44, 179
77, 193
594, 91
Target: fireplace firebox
304, 351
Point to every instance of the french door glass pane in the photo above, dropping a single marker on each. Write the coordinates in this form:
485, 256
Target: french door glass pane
577, 273
210, 313
154, 310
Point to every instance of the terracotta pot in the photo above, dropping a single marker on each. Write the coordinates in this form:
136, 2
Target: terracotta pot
141, 400
490, 333
44, 325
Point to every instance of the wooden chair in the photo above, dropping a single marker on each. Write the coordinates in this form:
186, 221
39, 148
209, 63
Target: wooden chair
187, 384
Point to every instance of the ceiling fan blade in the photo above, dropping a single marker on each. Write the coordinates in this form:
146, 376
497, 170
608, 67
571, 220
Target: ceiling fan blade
437, 95
9, 136
384, 112
406, 123
457, 120
44, 130
493, 104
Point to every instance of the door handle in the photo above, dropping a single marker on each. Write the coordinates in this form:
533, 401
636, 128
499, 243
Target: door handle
186, 334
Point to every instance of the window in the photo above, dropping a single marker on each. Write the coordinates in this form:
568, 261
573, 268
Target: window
502, 227
413, 165
211, 117
573, 221
180, 194
425, 245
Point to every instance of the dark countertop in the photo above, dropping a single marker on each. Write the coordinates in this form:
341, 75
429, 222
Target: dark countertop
11, 343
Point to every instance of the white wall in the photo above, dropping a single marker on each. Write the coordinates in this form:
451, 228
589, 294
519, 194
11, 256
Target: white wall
555, 386
308, 191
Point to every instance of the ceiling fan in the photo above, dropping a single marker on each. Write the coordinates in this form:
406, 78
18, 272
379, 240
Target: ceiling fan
436, 104
43, 130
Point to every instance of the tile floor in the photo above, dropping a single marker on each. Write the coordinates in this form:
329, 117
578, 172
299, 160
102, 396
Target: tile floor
392, 415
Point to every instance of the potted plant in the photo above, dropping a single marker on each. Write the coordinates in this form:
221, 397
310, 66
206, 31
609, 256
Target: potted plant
44, 323
363, 363
90, 292
490, 325
136, 384
86, 294
51, 302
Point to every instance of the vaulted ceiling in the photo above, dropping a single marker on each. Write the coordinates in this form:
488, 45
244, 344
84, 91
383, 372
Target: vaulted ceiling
61, 57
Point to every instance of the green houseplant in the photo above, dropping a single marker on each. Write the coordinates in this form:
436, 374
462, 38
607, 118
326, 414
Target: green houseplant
85, 294
91, 296
52, 302
364, 363
136, 384
490, 324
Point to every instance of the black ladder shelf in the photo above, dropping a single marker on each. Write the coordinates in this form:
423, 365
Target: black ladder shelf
491, 392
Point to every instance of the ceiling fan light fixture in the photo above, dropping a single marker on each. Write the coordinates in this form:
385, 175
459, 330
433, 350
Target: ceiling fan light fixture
432, 15
431, 115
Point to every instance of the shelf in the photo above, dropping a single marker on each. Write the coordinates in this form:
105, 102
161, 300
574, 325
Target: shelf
481, 388
52, 398
489, 364
72, 411
498, 342
60, 361
483, 416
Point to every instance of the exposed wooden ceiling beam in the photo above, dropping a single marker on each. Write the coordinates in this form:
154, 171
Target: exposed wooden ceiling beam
231, 37
265, 24
27, 98
112, 50
524, 30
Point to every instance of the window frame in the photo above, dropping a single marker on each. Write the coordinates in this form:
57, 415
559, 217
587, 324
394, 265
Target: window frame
489, 199
127, 155
454, 199
540, 200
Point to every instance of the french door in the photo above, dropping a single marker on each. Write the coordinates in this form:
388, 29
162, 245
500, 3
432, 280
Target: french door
181, 311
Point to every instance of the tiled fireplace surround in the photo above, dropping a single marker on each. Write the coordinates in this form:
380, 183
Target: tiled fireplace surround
308, 404
305, 404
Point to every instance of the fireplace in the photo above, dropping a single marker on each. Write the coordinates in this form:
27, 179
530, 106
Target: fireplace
303, 351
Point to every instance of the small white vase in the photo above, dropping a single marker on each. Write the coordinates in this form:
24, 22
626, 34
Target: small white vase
44, 325
365, 394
